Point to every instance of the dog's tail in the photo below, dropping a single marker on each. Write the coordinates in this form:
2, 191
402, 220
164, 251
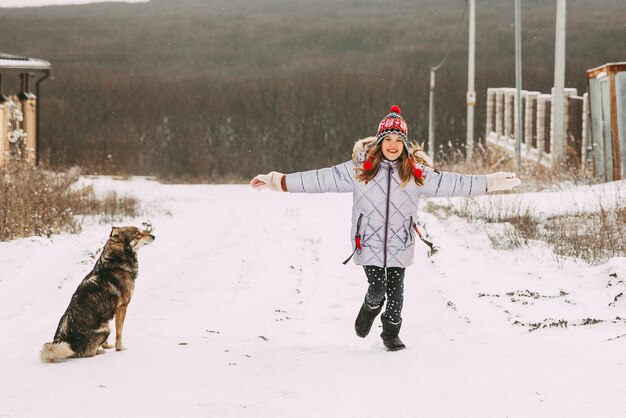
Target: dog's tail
52, 352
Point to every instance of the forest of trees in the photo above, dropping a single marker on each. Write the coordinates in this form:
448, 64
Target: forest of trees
219, 91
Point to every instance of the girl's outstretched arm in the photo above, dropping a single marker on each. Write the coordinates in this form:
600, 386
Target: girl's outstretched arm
444, 184
336, 179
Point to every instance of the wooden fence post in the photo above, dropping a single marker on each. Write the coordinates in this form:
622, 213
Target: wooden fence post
509, 114
29, 123
543, 123
499, 113
491, 107
585, 152
530, 134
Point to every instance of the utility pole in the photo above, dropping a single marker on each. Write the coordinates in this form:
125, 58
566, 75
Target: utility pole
431, 110
431, 116
518, 85
558, 140
471, 93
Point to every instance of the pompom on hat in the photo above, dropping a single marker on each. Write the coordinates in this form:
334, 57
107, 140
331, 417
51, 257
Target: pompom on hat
393, 123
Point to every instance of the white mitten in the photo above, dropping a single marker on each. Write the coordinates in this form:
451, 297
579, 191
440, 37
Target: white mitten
502, 181
270, 180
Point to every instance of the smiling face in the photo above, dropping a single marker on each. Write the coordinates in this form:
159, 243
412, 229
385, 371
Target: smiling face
392, 147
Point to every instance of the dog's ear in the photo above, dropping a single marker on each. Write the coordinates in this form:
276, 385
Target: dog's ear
115, 231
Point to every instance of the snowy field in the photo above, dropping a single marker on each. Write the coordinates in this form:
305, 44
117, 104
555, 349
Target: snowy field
243, 309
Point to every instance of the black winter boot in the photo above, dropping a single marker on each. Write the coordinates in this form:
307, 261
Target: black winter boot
365, 318
390, 335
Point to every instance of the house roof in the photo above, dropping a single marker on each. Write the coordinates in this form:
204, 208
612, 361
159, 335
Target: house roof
21, 63
610, 68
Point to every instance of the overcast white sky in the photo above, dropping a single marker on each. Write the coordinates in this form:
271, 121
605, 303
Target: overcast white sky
36, 3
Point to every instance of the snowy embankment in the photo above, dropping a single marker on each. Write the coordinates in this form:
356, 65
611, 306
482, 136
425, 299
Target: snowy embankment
243, 308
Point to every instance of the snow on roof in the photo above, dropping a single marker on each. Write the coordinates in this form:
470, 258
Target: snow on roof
17, 62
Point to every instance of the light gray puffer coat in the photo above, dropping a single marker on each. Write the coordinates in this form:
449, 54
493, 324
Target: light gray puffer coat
383, 212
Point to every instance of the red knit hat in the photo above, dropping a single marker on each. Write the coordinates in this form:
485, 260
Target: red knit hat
393, 123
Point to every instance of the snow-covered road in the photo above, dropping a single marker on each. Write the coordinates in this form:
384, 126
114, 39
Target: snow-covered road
243, 308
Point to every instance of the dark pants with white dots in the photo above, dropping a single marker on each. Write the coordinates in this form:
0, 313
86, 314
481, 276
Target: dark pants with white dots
388, 280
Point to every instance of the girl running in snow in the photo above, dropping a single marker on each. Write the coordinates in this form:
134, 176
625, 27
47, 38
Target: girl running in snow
386, 176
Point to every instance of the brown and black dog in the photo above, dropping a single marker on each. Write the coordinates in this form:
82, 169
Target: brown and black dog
103, 294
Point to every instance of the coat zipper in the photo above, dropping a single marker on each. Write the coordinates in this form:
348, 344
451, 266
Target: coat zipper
387, 215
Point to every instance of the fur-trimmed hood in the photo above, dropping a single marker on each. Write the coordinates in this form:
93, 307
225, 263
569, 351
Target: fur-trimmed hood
363, 146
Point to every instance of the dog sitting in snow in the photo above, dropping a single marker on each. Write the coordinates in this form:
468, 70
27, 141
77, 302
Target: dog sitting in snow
104, 293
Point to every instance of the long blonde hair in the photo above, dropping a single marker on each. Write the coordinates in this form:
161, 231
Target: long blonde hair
405, 169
